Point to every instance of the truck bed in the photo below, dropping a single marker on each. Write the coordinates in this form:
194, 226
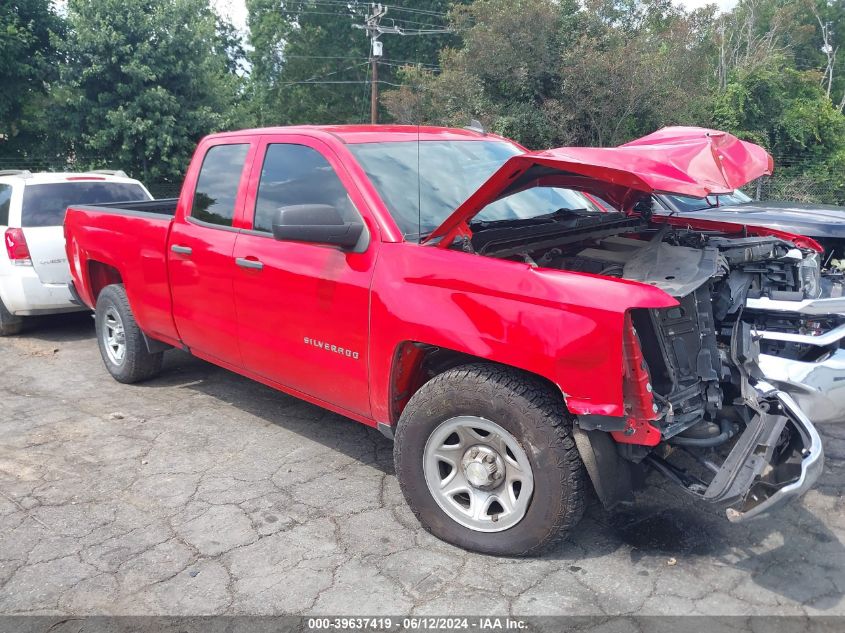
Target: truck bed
164, 206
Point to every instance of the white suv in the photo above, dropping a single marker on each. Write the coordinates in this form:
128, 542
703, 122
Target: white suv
34, 273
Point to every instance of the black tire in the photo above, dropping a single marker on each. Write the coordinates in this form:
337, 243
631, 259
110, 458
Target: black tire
534, 414
137, 363
9, 323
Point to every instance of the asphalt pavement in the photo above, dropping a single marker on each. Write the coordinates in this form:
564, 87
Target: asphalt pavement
202, 492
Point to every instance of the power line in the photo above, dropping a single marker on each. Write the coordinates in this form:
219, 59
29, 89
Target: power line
392, 7
404, 21
298, 13
372, 25
322, 57
404, 64
358, 81
334, 73
350, 58
402, 25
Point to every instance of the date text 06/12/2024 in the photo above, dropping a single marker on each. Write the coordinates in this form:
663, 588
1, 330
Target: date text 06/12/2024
416, 623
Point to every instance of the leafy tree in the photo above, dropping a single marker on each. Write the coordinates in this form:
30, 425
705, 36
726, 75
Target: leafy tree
788, 112
310, 65
549, 72
301, 43
28, 63
504, 73
144, 81
636, 67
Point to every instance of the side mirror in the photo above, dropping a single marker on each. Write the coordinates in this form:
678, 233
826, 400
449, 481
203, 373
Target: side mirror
316, 223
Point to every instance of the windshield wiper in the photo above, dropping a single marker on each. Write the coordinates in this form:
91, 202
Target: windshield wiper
560, 214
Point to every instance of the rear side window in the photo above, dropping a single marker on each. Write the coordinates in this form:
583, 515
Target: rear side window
217, 186
5, 202
45, 205
294, 175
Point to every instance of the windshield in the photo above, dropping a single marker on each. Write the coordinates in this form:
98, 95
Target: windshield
450, 171
688, 203
45, 205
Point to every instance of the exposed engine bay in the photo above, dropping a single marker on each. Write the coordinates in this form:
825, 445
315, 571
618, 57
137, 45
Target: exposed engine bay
702, 356
687, 348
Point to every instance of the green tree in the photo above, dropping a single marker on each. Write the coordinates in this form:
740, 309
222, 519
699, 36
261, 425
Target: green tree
555, 72
504, 71
144, 81
310, 65
788, 112
28, 63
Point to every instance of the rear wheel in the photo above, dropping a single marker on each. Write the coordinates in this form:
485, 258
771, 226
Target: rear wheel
485, 459
9, 323
121, 342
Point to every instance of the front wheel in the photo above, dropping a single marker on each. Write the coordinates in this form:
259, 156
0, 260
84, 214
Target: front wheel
121, 341
485, 459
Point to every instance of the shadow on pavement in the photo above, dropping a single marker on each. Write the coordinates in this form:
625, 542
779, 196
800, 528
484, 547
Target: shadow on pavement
790, 552
310, 421
60, 328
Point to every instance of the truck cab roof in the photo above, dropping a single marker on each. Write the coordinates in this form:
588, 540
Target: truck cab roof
353, 134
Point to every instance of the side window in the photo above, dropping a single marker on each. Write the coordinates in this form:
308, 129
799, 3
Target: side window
217, 185
5, 202
293, 175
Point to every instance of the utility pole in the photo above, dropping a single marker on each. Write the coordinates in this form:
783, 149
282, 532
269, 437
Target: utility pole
374, 94
372, 25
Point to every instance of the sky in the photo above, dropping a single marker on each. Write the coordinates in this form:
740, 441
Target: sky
235, 10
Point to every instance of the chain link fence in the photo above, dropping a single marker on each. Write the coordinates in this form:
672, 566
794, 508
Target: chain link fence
796, 189
161, 190
800, 180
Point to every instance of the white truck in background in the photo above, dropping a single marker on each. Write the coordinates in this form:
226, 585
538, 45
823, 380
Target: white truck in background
34, 273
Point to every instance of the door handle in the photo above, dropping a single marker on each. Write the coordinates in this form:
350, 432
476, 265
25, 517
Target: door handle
254, 264
182, 250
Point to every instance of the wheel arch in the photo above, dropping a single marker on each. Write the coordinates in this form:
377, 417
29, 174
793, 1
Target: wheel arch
414, 363
101, 275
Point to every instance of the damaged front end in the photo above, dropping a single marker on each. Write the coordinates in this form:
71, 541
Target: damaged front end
724, 434
698, 407
776, 458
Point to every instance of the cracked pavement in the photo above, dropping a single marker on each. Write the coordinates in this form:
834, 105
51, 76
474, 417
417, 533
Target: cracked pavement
201, 492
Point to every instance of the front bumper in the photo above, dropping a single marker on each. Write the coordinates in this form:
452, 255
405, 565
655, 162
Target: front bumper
790, 471
776, 459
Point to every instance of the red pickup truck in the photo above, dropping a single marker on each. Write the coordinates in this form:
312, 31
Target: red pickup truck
470, 300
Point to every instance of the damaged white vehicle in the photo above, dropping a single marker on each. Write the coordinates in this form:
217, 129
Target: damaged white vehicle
795, 303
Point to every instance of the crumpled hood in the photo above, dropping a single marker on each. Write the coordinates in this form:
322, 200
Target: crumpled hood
812, 220
683, 160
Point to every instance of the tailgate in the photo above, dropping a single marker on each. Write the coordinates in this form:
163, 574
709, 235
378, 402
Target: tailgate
47, 249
